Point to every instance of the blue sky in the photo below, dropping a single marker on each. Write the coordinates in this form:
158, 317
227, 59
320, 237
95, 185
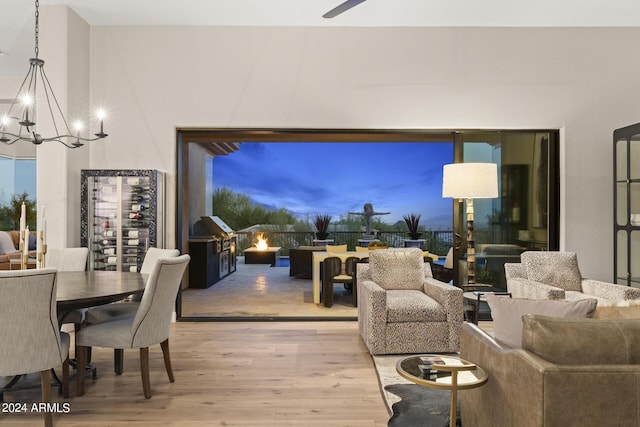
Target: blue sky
336, 178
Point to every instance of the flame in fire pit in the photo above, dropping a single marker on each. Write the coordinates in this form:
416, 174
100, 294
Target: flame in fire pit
262, 243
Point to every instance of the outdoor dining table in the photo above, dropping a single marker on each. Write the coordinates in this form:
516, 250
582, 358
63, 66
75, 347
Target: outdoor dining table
318, 257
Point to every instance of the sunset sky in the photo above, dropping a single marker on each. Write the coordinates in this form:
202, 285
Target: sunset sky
337, 178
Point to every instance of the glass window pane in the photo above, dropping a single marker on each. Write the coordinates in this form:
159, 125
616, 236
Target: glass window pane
621, 267
621, 160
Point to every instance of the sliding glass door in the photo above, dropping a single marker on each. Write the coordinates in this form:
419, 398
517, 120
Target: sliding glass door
525, 214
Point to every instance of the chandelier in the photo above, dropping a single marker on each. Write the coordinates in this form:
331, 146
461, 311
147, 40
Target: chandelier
18, 123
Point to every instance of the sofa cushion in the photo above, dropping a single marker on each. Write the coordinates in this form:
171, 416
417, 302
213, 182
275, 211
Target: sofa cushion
397, 268
507, 314
413, 306
571, 341
559, 269
6, 243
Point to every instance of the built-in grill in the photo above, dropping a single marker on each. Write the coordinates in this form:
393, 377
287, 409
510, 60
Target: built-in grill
212, 246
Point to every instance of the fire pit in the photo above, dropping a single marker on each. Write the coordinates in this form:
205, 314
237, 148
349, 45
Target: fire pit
262, 253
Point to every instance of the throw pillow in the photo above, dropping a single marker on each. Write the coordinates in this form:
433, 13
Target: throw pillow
507, 314
336, 248
559, 269
6, 243
361, 249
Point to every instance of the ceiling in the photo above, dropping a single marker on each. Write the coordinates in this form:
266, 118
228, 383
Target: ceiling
16, 19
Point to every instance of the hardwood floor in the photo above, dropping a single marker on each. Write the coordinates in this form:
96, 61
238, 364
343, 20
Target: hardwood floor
231, 374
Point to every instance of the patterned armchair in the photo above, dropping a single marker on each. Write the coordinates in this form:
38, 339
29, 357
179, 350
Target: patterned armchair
402, 308
556, 276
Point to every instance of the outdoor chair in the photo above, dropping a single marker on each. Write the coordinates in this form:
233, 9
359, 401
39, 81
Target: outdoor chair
332, 273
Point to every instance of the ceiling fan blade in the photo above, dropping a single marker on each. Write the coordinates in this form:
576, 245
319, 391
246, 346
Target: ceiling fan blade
343, 7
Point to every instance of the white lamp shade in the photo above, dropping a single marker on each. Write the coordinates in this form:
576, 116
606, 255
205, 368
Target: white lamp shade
470, 181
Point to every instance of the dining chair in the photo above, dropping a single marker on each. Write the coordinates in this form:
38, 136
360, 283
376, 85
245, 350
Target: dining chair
332, 272
69, 259
29, 335
150, 325
129, 308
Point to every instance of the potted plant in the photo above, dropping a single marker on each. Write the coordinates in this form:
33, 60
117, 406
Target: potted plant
321, 222
412, 221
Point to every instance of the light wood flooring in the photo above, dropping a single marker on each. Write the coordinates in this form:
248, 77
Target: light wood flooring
232, 374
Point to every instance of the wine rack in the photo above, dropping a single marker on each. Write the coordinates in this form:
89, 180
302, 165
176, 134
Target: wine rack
122, 216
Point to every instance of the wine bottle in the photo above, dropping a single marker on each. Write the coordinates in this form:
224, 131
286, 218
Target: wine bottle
112, 260
138, 190
138, 208
133, 242
109, 251
138, 198
109, 233
133, 268
133, 234
136, 215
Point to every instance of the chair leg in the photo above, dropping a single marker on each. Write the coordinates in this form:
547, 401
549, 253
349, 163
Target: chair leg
65, 378
354, 293
45, 384
144, 371
167, 359
327, 292
118, 360
81, 358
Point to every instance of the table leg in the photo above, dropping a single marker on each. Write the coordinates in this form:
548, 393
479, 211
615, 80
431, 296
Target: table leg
453, 411
316, 280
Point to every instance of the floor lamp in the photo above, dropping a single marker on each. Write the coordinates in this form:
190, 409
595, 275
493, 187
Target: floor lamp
470, 181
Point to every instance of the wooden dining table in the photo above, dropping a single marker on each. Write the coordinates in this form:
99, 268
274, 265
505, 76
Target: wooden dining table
84, 289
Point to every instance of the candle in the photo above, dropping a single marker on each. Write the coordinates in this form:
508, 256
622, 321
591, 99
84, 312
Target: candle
44, 231
23, 216
26, 241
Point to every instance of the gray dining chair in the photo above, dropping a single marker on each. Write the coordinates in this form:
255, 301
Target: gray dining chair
30, 340
129, 308
150, 325
69, 259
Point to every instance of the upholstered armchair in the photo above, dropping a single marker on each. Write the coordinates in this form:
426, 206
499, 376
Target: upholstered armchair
556, 276
402, 308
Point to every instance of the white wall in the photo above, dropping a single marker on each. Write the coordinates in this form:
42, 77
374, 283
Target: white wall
64, 46
582, 81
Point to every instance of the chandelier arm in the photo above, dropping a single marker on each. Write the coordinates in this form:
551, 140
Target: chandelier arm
48, 90
15, 99
80, 138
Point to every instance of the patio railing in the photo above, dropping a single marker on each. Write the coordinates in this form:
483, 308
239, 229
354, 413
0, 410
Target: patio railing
437, 242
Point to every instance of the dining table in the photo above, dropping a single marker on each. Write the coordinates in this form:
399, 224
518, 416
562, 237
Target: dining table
84, 289
318, 257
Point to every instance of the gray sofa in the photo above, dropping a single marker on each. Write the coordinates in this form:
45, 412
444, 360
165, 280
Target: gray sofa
570, 372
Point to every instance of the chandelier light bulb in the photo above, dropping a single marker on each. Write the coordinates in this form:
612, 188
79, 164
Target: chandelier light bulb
26, 100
